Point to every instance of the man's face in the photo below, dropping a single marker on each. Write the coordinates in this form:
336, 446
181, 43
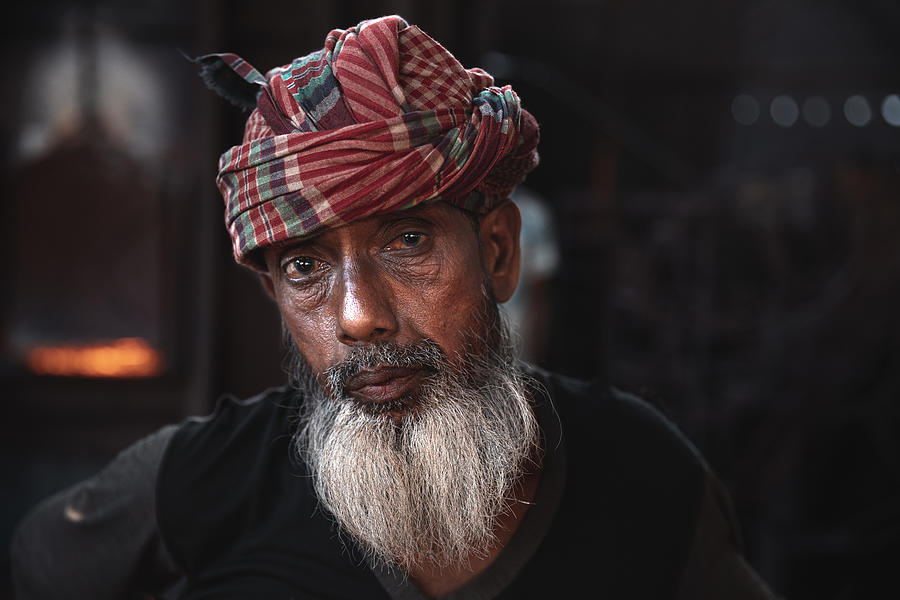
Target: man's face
403, 278
405, 363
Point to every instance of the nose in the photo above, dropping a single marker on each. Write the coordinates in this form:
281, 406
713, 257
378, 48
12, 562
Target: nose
365, 311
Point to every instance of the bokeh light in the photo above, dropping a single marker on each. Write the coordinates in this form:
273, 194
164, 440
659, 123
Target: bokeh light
857, 110
784, 110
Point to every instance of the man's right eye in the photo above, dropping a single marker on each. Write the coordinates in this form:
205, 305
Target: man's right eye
299, 267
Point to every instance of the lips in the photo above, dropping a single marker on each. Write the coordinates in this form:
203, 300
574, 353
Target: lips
382, 385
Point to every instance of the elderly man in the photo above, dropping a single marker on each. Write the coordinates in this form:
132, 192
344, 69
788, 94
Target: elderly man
412, 456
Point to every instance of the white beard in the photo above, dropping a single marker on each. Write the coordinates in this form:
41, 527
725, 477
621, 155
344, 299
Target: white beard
429, 487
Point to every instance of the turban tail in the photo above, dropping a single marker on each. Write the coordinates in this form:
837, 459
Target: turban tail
382, 118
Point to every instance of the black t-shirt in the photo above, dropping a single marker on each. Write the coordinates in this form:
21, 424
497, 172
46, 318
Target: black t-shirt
218, 507
616, 510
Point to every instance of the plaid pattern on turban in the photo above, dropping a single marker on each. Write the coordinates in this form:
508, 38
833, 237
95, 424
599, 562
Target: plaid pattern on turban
382, 118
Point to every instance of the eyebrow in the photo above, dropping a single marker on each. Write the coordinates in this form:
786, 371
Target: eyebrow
295, 245
414, 216
411, 219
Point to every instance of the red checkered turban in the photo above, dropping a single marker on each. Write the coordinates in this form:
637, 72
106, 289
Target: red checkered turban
383, 118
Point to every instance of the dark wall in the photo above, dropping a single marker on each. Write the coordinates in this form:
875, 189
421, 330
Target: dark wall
723, 178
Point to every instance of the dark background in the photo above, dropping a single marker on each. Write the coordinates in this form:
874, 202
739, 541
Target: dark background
724, 176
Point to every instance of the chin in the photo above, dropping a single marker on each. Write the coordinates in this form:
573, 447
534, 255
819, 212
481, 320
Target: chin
397, 409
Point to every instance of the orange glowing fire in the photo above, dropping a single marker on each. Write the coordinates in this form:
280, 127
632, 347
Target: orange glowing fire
126, 357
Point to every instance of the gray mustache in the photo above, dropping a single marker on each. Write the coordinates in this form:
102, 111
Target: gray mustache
426, 355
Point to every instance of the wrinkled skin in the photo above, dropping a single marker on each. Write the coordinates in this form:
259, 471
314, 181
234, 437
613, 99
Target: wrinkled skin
402, 277
408, 277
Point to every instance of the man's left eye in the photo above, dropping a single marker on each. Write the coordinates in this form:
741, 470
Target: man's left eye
409, 239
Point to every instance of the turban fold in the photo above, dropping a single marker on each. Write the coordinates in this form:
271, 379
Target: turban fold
382, 118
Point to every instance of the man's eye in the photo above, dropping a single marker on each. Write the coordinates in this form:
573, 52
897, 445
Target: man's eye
410, 239
299, 267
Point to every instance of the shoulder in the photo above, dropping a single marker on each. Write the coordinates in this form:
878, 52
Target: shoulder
620, 443
214, 466
234, 419
633, 489
601, 419
233, 431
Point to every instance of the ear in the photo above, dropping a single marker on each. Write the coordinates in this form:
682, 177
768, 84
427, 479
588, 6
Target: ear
266, 281
499, 232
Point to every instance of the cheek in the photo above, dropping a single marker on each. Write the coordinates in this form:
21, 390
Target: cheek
446, 309
311, 330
